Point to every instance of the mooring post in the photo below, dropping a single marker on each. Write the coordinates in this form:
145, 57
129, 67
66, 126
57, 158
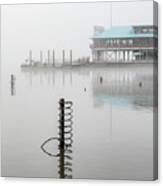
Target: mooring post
53, 58
70, 57
41, 57
12, 84
48, 57
30, 57
63, 57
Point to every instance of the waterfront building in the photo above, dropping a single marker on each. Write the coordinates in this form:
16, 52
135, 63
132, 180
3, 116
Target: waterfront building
124, 44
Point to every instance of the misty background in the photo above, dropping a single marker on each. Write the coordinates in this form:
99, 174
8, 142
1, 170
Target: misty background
62, 26
33, 109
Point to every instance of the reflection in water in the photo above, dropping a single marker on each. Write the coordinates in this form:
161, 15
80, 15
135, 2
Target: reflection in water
111, 85
12, 85
52, 76
113, 123
64, 139
124, 88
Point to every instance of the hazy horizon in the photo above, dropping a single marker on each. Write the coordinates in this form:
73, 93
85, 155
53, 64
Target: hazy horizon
63, 26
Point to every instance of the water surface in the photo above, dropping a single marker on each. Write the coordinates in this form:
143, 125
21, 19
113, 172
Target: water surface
112, 121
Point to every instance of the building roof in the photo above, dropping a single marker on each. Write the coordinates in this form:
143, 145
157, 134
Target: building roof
121, 32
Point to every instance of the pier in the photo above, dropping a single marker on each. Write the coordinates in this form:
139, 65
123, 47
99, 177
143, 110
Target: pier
48, 59
116, 45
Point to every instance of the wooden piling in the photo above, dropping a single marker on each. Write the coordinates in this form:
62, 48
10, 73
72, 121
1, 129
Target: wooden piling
30, 57
41, 57
53, 58
70, 57
48, 57
63, 57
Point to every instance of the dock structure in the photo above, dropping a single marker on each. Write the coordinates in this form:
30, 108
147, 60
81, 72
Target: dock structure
124, 44
49, 59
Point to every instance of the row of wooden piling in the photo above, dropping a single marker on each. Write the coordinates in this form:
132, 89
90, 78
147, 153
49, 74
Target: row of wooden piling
53, 57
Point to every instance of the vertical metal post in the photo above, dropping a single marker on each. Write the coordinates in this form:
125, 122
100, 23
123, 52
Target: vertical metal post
62, 138
62, 120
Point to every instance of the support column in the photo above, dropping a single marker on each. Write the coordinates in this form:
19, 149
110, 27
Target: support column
133, 57
93, 56
128, 53
140, 55
124, 56
147, 54
129, 56
116, 58
119, 55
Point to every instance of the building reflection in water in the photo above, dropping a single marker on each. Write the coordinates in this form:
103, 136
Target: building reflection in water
123, 88
65, 140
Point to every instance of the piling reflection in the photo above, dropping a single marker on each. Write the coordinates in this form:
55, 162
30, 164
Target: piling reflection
65, 140
53, 76
129, 85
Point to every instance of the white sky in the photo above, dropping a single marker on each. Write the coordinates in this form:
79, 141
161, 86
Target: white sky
64, 26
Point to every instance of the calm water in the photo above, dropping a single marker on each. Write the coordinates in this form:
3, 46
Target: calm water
112, 122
